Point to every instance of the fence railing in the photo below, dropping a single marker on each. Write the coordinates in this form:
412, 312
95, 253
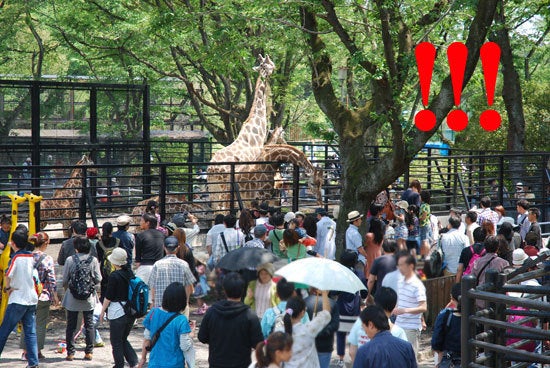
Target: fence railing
485, 331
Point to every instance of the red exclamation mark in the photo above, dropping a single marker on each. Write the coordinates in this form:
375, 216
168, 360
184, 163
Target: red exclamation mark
490, 57
425, 59
457, 53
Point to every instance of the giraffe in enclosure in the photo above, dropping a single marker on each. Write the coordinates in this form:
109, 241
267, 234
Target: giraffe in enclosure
248, 144
173, 204
258, 181
63, 206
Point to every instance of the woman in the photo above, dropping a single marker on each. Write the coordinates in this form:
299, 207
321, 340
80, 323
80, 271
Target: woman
425, 225
185, 252
114, 299
46, 273
274, 351
304, 353
105, 246
246, 224
401, 232
152, 208
373, 243
166, 352
294, 249
74, 305
262, 292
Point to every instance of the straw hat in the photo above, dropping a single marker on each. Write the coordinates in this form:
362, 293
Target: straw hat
354, 215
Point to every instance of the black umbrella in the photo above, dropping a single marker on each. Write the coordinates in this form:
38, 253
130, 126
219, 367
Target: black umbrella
246, 258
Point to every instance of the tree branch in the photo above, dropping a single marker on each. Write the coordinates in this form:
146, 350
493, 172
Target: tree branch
532, 52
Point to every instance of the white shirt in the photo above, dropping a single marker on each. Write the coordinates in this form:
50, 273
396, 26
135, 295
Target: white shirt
392, 279
21, 281
410, 294
304, 353
470, 231
452, 244
212, 235
326, 238
358, 337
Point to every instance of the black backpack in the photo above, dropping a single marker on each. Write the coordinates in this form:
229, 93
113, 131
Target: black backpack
81, 284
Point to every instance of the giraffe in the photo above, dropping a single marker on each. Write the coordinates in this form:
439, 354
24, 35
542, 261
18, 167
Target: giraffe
248, 144
173, 204
257, 181
63, 206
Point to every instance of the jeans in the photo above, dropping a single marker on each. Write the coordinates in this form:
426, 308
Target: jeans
119, 329
27, 315
324, 359
341, 343
89, 330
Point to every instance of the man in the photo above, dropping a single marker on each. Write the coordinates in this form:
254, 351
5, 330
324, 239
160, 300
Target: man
213, 233
229, 239
22, 298
487, 214
149, 247
522, 206
168, 270
381, 267
189, 223
523, 192
127, 239
263, 210
411, 302
489, 260
383, 349
324, 342
230, 328
326, 236
354, 241
534, 227
452, 244
468, 252
260, 235
471, 225
285, 290
77, 228
412, 194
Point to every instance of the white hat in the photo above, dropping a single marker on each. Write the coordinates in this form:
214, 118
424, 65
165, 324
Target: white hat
403, 204
354, 215
518, 257
123, 220
118, 257
289, 216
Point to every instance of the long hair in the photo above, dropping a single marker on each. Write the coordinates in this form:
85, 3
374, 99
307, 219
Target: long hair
265, 350
39, 239
182, 238
294, 306
377, 229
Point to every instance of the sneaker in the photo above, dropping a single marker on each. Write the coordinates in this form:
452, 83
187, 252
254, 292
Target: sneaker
70, 357
88, 356
40, 355
99, 344
340, 364
23, 357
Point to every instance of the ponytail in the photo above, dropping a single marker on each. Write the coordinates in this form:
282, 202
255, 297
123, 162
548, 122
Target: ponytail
265, 350
294, 307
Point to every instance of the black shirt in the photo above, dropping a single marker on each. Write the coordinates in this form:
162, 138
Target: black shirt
149, 246
117, 286
466, 254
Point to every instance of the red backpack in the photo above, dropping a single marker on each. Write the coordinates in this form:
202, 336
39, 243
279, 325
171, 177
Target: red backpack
475, 257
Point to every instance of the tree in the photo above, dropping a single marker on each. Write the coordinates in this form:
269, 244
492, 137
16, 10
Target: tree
364, 175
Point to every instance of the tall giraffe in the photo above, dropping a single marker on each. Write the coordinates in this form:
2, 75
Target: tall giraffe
63, 206
257, 181
248, 144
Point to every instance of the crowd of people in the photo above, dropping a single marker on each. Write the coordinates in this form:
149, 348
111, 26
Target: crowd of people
286, 323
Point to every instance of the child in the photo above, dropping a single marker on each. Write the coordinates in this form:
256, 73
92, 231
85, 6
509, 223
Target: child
272, 352
201, 289
411, 219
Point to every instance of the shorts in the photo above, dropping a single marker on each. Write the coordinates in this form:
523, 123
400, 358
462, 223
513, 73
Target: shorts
426, 233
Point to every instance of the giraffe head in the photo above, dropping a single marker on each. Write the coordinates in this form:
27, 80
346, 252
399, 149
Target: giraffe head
266, 66
86, 161
315, 183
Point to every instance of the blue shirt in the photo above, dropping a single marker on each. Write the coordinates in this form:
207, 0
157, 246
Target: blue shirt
268, 320
127, 241
385, 351
446, 333
167, 352
354, 241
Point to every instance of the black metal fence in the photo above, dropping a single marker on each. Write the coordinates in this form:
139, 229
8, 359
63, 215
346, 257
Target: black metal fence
486, 332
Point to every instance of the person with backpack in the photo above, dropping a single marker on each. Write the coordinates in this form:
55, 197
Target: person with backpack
114, 299
470, 254
272, 319
446, 334
105, 246
168, 335
81, 278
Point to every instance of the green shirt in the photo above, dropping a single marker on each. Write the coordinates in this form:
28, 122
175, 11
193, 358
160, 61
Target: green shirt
425, 209
275, 236
296, 251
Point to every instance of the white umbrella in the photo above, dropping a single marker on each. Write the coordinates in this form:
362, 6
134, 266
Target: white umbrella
323, 274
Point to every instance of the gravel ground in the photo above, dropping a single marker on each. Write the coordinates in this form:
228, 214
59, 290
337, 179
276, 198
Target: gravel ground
102, 357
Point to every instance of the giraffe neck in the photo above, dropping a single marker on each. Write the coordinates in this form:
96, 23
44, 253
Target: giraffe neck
254, 130
72, 186
287, 153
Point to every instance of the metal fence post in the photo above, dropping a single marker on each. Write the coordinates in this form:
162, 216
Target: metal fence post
295, 189
500, 315
162, 192
232, 188
468, 329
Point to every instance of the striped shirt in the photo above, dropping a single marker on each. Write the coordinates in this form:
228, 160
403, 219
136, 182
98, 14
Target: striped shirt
411, 293
166, 271
262, 298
